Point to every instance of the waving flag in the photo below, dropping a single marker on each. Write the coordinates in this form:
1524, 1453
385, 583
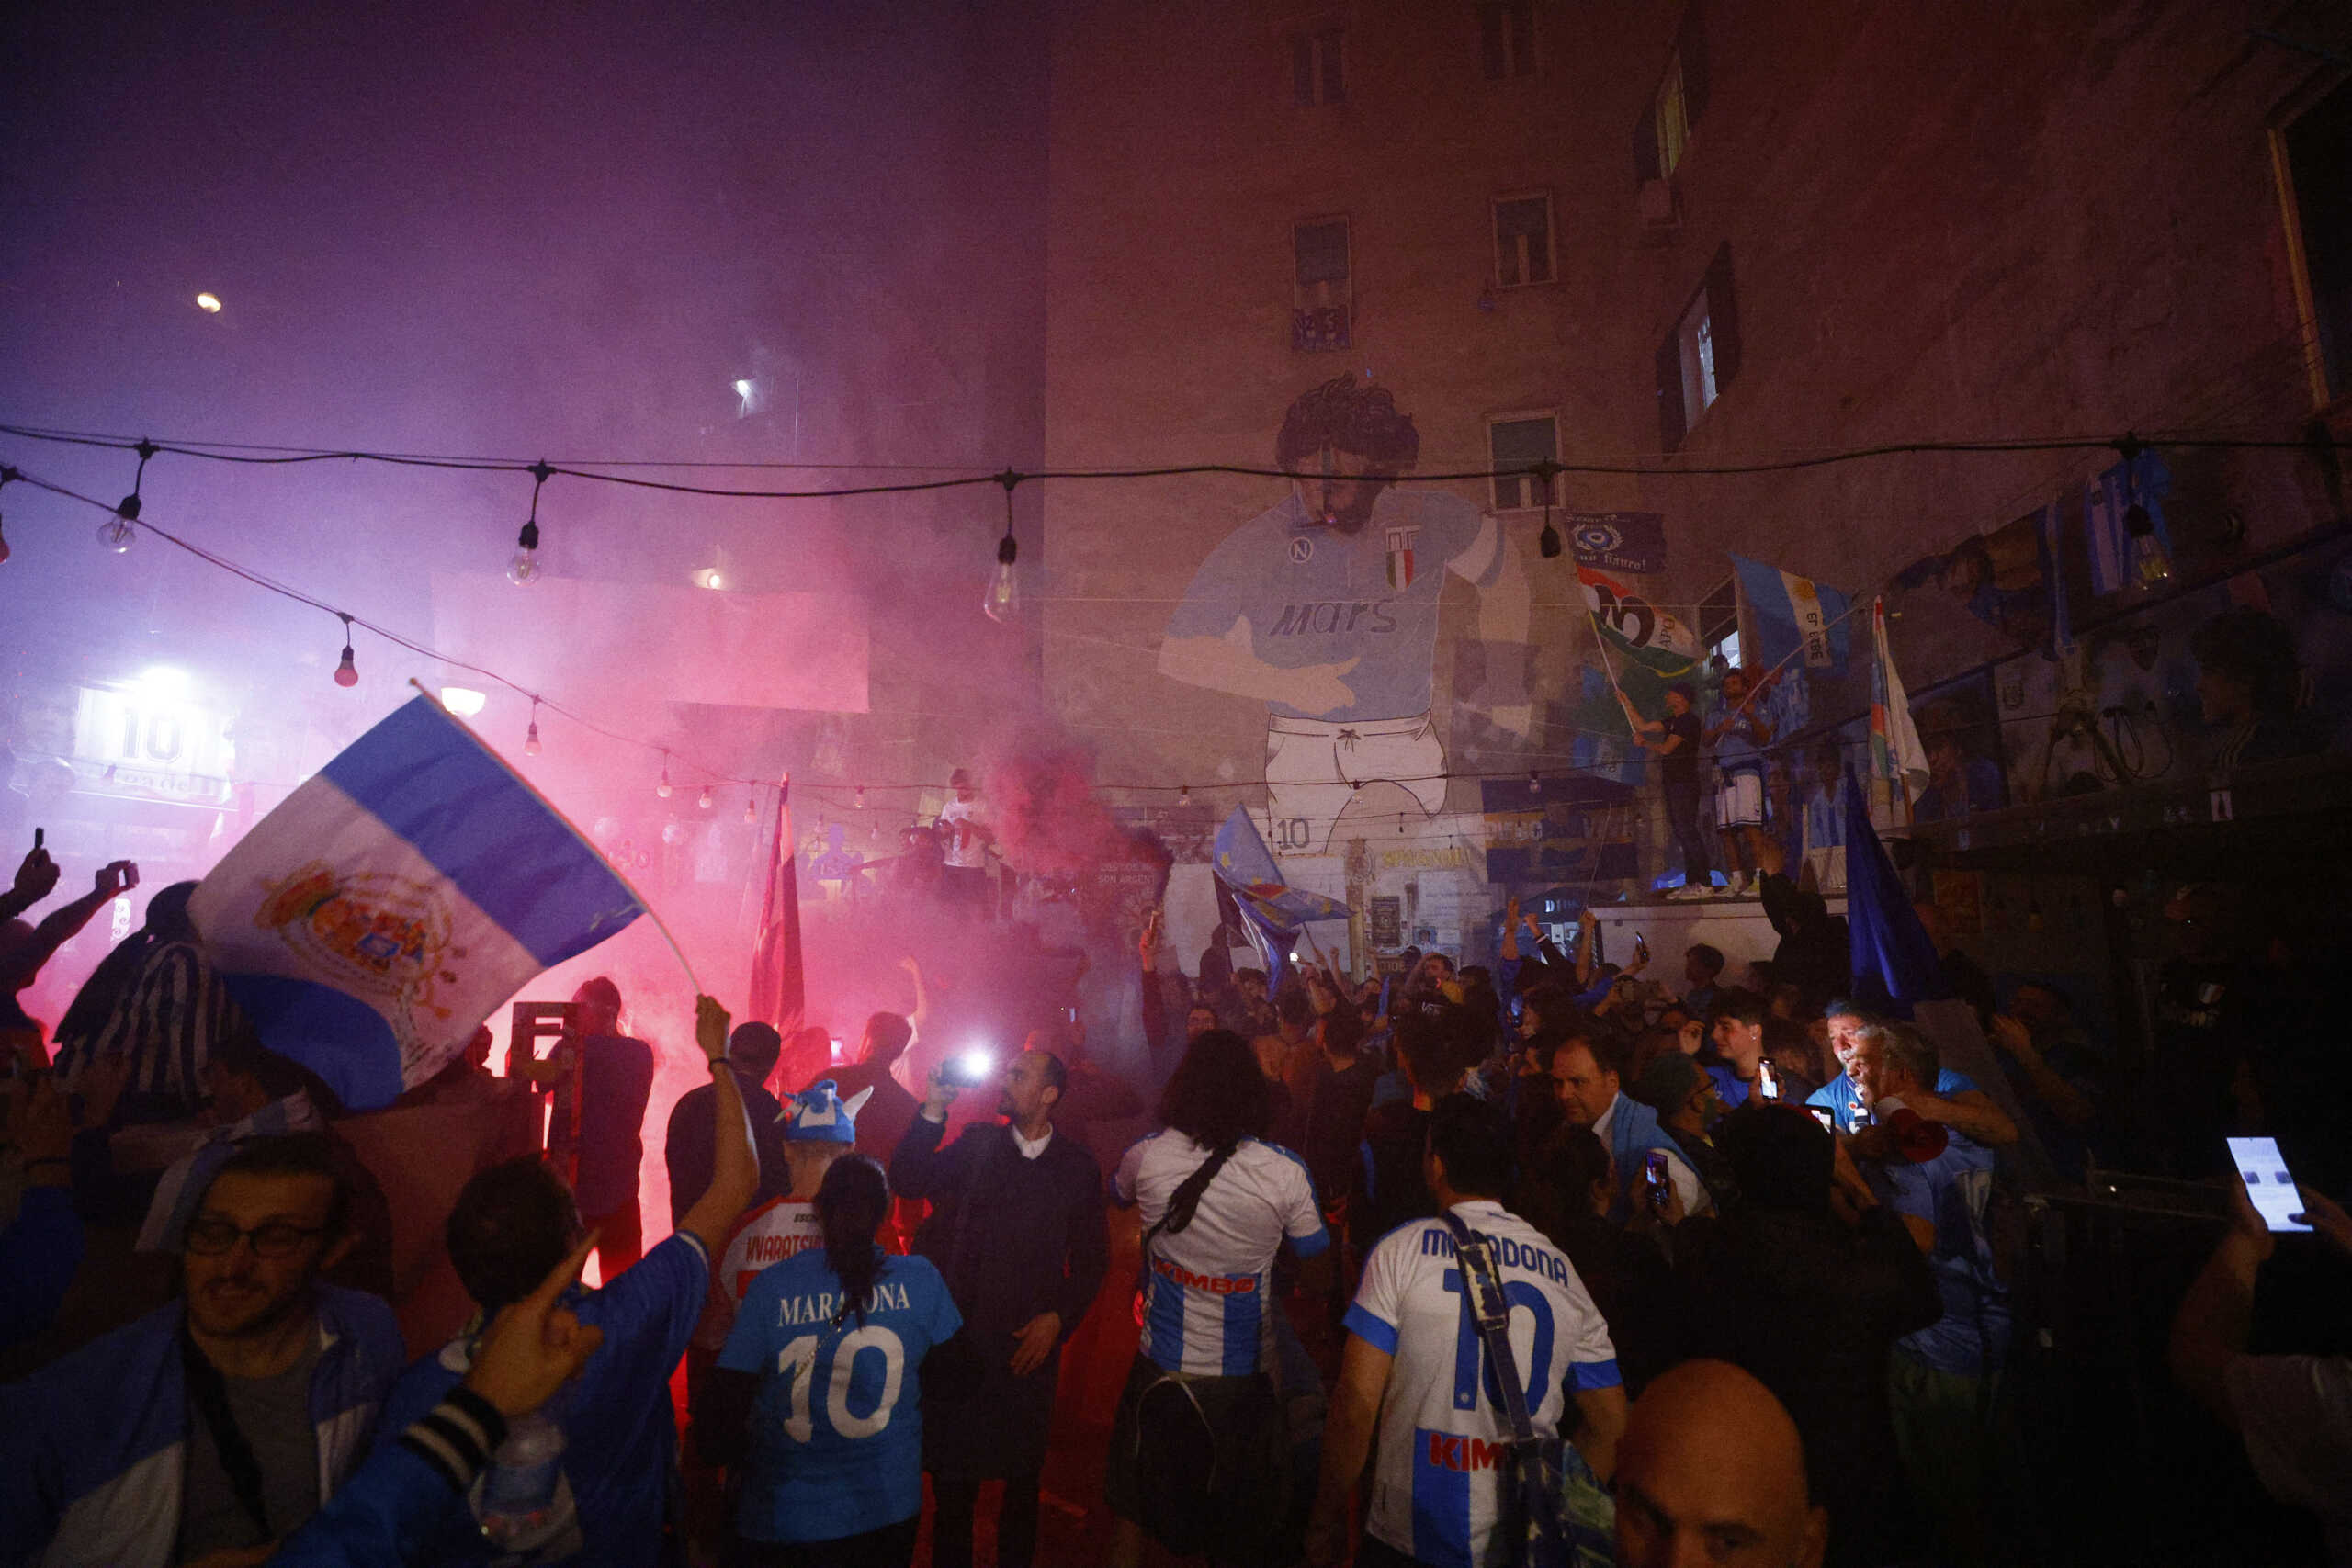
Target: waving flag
1895, 751
371, 924
1893, 963
779, 987
1791, 613
1272, 910
1644, 649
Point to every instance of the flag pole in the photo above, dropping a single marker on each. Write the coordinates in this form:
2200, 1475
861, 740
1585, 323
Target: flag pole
602, 858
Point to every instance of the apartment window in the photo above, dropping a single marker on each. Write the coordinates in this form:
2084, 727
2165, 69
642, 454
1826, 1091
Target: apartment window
1317, 76
1507, 39
1321, 309
1676, 106
1523, 240
2317, 182
1700, 356
1520, 441
1718, 622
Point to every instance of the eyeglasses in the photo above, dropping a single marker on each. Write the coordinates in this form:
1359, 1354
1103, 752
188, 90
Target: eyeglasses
275, 1238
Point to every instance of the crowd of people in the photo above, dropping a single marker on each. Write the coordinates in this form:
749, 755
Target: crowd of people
1546, 1262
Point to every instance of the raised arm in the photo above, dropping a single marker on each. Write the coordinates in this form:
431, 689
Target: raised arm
65, 922
923, 1000
735, 1169
36, 879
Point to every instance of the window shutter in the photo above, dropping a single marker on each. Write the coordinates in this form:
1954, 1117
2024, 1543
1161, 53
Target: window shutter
1670, 428
1693, 46
1646, 146
1722, 319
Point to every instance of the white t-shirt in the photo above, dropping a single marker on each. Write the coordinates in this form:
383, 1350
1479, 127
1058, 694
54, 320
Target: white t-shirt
1436, 1490
964, 847
1205, 1297
2295, 1413
777, 1229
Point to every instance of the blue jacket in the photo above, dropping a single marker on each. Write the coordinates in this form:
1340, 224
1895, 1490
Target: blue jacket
1633, 1130
93, 1446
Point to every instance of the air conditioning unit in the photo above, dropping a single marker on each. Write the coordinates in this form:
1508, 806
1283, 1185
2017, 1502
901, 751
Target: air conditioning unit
1657, 206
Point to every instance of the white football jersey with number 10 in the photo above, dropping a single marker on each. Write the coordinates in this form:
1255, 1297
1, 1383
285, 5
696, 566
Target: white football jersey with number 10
1437, 1491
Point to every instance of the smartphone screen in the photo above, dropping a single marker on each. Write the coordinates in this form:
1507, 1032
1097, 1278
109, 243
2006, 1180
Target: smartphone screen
1655, 1176
2267, 1182
1822, 1114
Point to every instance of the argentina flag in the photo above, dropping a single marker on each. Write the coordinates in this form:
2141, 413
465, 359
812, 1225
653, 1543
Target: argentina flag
372, 922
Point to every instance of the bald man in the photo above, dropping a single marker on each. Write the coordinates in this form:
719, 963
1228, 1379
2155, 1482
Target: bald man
1710, 1470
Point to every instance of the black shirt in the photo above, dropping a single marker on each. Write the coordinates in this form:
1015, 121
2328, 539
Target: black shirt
1680, 766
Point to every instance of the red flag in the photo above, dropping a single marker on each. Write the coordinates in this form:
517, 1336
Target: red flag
779, 991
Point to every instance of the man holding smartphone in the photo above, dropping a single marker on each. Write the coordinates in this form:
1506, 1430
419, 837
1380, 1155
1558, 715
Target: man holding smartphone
1016, 1229
25, 947
2294, 1413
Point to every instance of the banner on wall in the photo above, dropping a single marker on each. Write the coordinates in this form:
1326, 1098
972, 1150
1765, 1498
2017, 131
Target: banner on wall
1619, 541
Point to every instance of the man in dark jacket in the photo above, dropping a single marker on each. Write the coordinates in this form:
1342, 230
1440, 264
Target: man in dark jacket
1808, 1287
1016, 1227
687, 1147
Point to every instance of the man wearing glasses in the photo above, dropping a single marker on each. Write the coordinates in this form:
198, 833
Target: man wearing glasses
213, 1426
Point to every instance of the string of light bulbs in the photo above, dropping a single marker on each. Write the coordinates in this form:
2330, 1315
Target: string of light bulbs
1002, 599
346, 674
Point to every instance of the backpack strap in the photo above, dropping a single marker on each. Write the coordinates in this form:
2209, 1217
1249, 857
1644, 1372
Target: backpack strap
1185, 1200
1489, 1309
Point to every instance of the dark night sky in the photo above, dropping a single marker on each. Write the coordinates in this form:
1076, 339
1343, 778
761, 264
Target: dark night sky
515, 230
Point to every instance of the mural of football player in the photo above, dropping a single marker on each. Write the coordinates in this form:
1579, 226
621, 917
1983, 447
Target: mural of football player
1325, 607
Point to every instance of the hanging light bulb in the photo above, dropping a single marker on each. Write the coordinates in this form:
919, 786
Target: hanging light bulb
523, 566
1548, 542
347, 674
1184, 794
751, 808
1535, 781
1003, 600
531, 736
860, 797
704, 800
662, 789
117, 533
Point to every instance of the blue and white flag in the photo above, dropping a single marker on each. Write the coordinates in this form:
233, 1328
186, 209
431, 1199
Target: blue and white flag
371, 924
1788, 613
1272, 910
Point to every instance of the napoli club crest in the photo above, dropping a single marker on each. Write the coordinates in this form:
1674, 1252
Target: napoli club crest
1595, 537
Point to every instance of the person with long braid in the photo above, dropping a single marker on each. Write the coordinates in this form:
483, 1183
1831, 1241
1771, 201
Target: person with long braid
817, 1400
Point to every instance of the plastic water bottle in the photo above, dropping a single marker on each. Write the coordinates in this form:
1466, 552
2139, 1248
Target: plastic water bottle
524, 1502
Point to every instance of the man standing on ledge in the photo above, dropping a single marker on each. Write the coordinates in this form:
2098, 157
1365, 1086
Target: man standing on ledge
965, 840
1016, 1228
